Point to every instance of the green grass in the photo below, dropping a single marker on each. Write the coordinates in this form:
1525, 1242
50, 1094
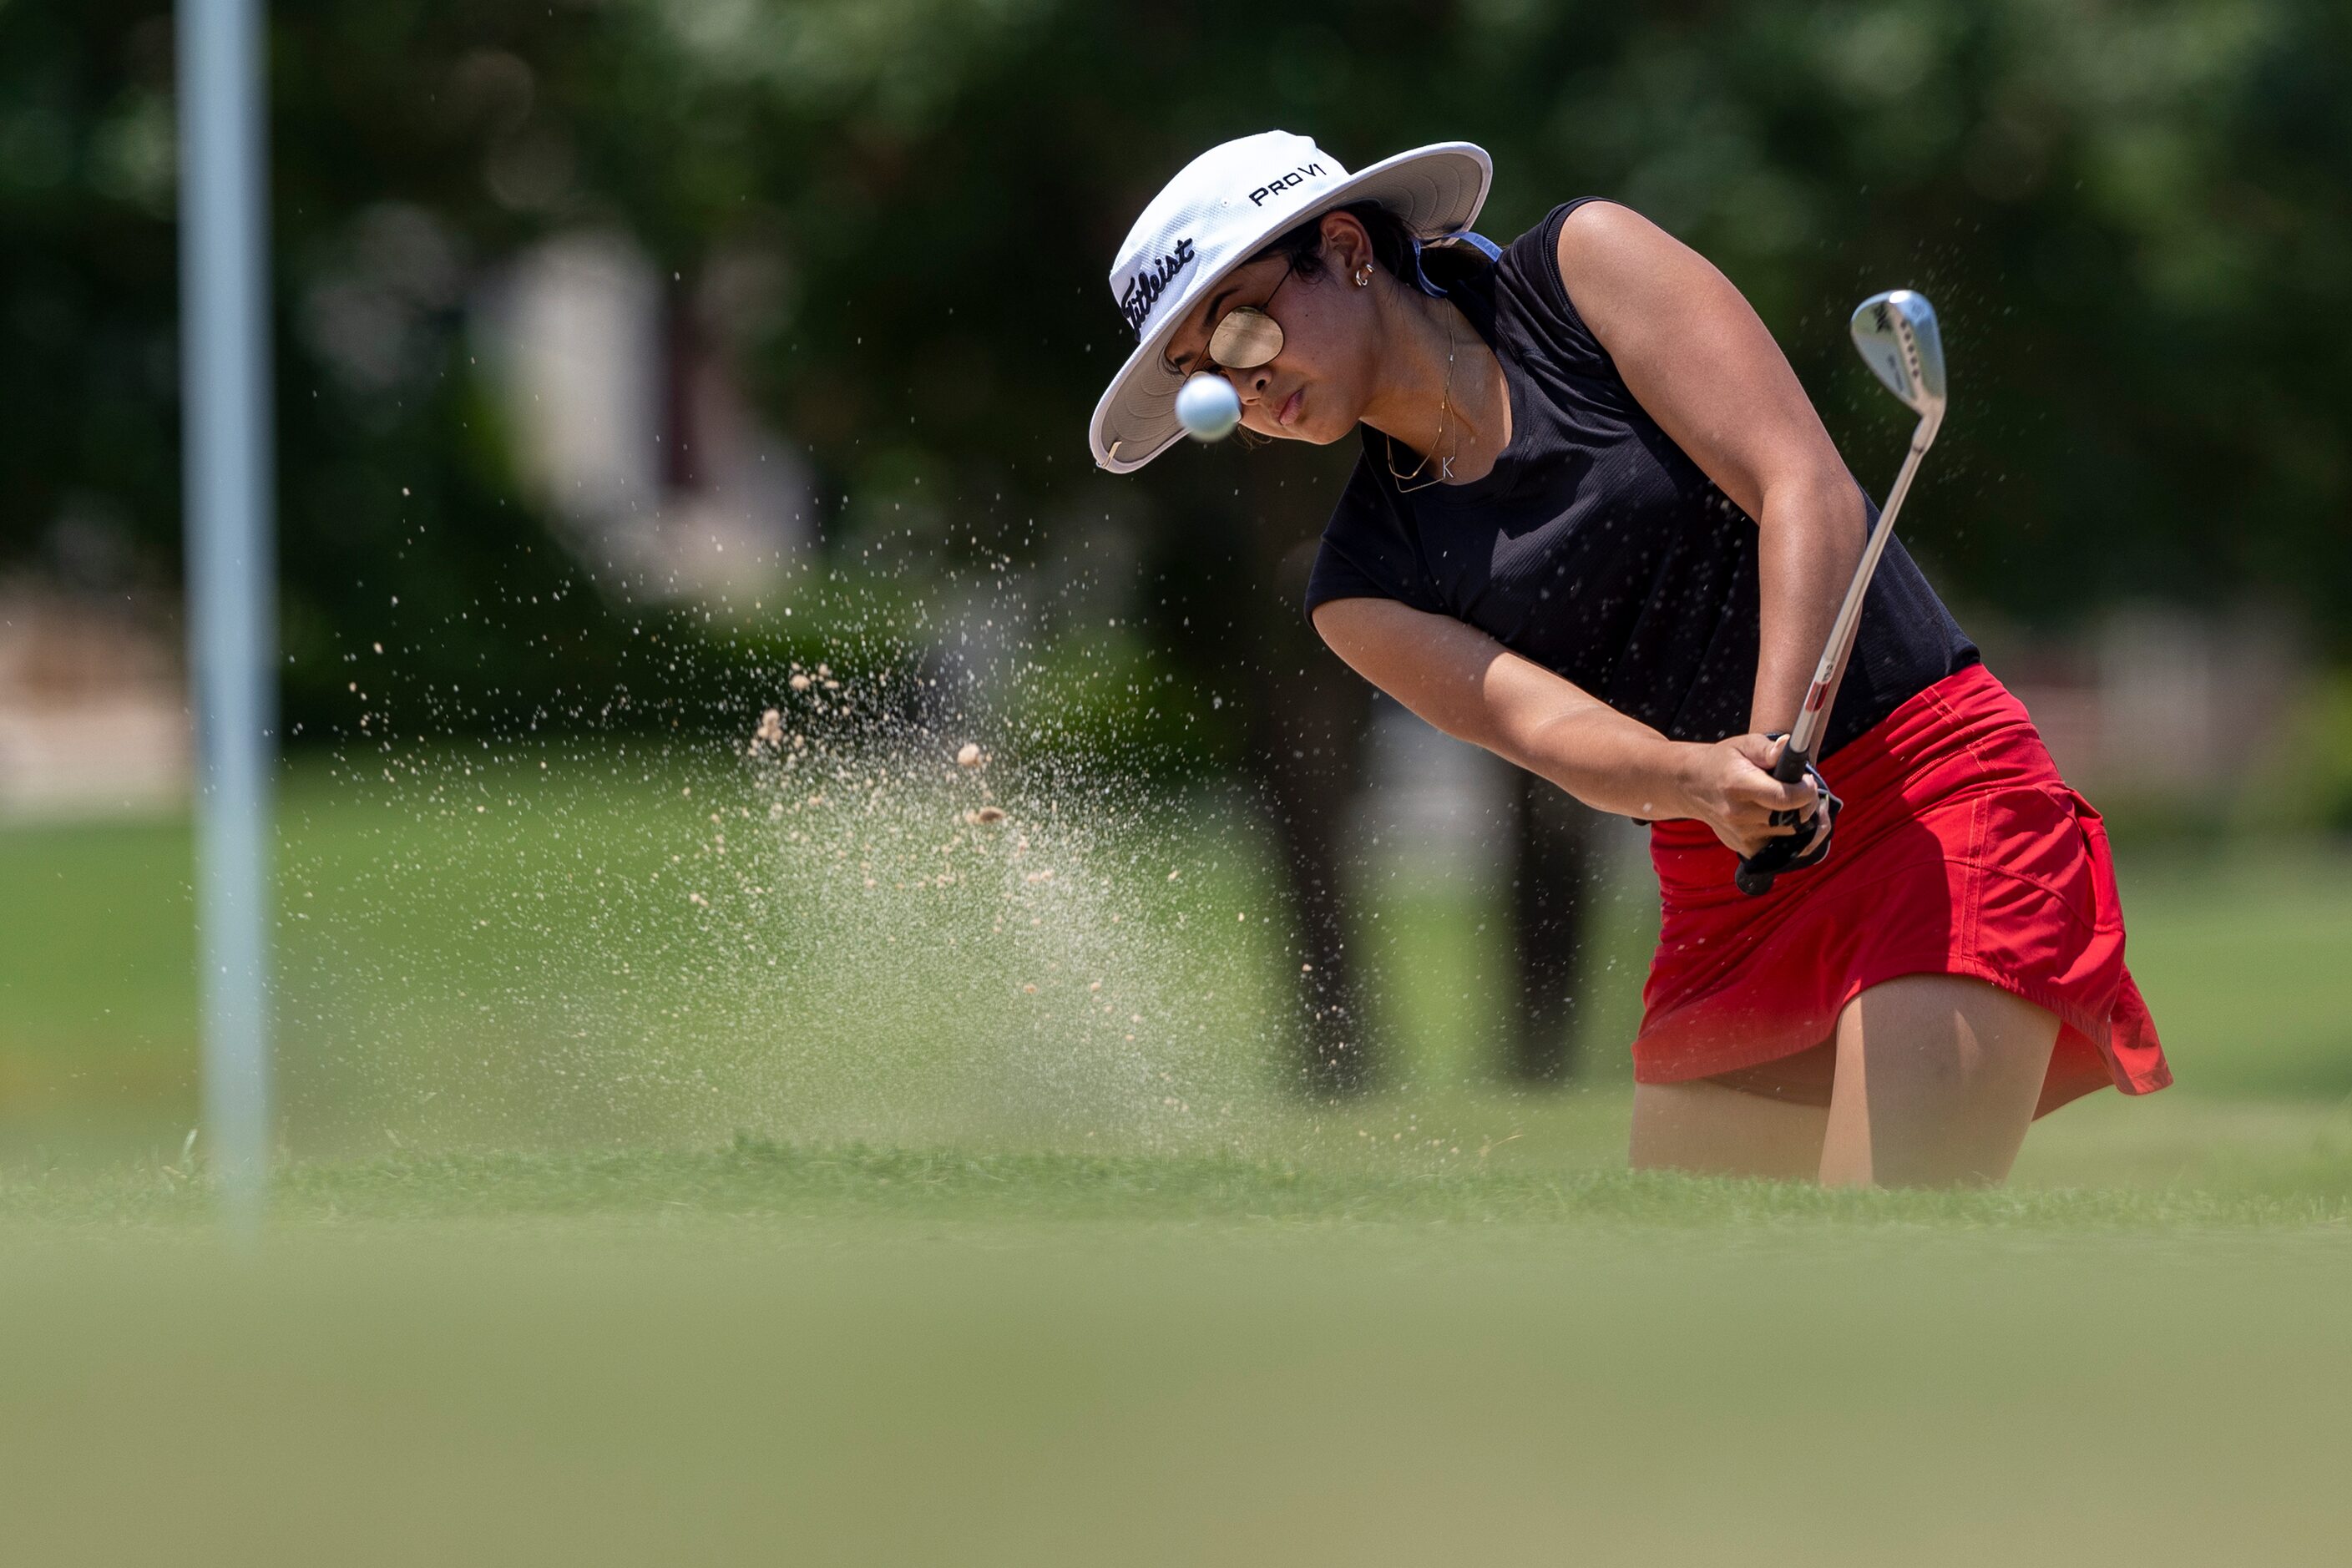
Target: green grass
476, 950
768, 1353
756, 1179
2243, 963
97, 965
787, 1225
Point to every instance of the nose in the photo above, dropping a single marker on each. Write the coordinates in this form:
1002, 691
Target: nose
1251, 382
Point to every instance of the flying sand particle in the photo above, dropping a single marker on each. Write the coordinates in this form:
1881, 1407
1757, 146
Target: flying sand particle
967, 755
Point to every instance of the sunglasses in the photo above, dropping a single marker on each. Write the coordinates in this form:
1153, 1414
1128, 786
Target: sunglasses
1246, 337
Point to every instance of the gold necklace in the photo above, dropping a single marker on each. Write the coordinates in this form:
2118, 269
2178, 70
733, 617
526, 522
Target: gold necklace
1445, 466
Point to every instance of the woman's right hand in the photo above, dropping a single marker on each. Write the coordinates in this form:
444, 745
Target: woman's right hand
1729, 786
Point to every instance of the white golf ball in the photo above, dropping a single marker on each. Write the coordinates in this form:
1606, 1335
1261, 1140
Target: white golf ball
1208, 407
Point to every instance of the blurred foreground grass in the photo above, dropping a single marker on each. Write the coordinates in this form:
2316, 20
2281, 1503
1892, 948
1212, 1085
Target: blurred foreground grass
764, 1353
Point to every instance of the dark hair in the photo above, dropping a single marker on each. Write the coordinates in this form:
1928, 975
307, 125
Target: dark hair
1303, 246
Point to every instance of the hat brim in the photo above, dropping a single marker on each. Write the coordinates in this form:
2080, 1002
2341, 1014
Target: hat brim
1437, 190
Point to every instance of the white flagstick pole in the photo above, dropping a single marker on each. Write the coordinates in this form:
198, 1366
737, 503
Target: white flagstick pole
231, 571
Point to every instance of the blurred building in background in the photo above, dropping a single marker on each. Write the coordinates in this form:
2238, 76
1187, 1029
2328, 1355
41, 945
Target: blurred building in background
93, 707
630, 424
2165, 709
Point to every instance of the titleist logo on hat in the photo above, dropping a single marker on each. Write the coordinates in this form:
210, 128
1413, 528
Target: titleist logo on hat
1214, 213
1143, 290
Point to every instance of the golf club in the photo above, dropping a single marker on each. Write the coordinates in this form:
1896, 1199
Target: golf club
1896, 335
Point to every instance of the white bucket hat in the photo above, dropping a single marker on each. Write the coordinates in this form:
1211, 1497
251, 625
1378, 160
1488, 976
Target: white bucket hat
1222, 209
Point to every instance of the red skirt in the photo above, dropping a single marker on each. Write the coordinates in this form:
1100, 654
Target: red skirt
1959, 851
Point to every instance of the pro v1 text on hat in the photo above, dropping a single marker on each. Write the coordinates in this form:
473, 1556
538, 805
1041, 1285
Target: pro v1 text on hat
1222, 209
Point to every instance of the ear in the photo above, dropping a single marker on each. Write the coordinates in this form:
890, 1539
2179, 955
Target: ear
1347, 244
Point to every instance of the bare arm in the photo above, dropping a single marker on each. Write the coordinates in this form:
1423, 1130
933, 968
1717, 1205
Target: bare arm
1695, 353
1473, 689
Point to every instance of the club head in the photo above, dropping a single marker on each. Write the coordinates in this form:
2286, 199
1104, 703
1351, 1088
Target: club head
1895, 332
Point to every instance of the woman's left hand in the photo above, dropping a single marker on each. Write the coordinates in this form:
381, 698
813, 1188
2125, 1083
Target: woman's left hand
1729, 786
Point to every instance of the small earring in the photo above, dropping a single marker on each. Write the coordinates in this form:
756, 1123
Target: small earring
1364, 275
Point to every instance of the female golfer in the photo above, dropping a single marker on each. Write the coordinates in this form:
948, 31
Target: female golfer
1597, 529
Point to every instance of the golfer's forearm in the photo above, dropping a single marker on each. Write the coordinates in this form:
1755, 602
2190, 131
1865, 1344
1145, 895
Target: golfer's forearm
1604, 758
1469, 685
1809, 539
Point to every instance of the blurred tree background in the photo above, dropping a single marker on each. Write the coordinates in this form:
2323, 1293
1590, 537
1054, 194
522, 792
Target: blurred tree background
2136, 219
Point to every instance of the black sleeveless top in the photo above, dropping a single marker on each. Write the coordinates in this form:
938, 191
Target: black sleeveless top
1596, 548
